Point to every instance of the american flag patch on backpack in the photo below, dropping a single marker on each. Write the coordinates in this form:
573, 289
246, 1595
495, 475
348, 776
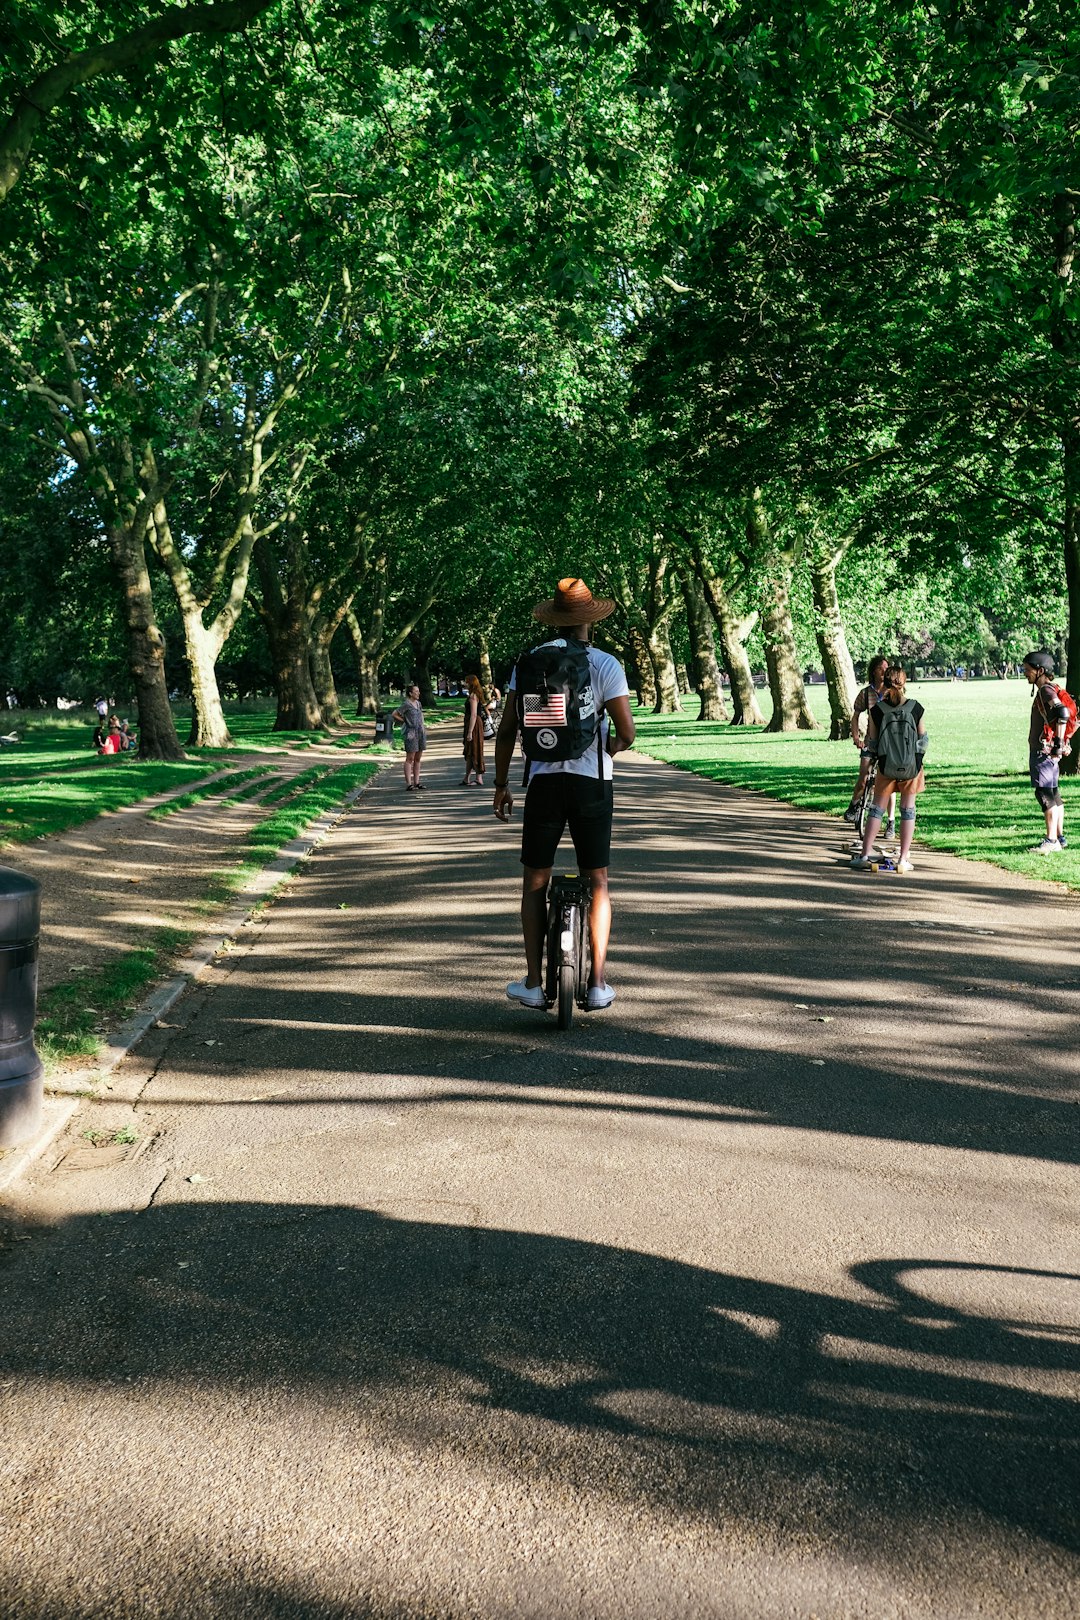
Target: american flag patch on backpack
549, 711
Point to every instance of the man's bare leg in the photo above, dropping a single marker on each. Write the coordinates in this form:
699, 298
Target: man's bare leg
534, 885
599, 923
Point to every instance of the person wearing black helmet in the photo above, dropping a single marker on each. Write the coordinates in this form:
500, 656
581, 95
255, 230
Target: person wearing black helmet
1050, 717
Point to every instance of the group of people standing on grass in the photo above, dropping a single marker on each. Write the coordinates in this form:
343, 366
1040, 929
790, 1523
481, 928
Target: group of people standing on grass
896, 740
480, 717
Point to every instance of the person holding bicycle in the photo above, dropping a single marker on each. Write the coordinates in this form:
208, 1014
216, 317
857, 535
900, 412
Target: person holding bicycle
574, 792
870, 695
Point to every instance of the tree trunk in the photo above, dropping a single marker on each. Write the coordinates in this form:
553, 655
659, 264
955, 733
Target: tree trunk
322, 671
831, 640
367, 683
746, 711
683, 680
422, 648
297, 706
1064, 337
667, 683
703, 642
485, 663
146, 648
791, 712
637, 657
209, 728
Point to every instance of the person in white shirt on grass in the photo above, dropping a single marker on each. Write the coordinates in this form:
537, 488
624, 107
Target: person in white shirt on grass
569, 792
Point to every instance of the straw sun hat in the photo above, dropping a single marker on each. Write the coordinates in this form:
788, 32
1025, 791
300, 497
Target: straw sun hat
573, 603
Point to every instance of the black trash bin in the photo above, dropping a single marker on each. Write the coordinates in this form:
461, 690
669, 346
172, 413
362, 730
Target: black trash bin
384, 727
21, 1085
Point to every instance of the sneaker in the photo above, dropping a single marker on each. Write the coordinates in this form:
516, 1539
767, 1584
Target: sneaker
1049, 846
526, 995
851, 814
890, 830
859, 863
905, 866
1063, 841
599, 997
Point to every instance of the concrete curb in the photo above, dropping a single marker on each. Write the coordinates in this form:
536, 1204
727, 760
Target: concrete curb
59, 1107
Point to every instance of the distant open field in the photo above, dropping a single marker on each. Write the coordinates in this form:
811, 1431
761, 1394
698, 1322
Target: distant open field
978, 801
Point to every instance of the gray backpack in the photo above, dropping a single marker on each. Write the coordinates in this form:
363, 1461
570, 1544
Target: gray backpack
898, 740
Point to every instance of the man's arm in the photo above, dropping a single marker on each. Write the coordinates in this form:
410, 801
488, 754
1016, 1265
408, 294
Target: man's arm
625, 730
855, 713
505, 738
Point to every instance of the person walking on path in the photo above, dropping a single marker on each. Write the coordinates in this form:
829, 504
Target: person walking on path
1047, 745
865, 701
897, 732
577, 792
410, 717
473, 736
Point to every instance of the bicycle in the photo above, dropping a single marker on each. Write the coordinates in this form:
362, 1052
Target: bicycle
866, 799
566, 976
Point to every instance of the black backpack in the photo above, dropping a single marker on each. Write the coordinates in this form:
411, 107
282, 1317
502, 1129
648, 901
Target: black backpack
556, 705
898, 741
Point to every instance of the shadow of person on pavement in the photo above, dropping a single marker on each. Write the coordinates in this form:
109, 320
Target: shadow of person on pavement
865, 1422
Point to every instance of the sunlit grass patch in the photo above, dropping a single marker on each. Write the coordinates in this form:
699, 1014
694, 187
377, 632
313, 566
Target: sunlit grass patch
75, 1017
223, 785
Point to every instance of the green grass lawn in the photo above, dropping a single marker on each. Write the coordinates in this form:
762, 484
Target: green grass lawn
978, 801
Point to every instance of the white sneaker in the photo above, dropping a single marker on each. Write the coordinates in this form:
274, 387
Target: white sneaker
905, 866
599, 997
859, 863
1049, 846
527, 995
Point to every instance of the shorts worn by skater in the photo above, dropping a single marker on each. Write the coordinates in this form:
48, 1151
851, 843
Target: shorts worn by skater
575, 793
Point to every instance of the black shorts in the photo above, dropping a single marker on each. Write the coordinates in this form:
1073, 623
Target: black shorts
560, 797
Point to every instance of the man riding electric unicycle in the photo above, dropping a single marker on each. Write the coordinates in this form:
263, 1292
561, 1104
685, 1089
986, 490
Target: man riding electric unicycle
561, 697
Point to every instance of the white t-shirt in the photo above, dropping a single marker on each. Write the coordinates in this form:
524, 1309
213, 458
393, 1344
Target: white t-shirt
608, 681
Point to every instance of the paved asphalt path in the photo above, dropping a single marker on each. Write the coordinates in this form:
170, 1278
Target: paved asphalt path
756, 1296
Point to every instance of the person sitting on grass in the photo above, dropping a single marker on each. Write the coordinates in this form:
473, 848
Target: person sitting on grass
1047, 747
897, 732
110, 742
128, 739
410, 716
865, 701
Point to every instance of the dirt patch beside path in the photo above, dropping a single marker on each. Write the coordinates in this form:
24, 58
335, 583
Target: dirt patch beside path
114, 883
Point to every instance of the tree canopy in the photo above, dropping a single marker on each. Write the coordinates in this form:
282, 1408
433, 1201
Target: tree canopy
331, 333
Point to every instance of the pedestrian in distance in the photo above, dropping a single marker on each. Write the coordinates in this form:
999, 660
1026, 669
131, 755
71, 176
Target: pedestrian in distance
865, 701
1053, 722
410, 717
473, 734
897, 732
574, 790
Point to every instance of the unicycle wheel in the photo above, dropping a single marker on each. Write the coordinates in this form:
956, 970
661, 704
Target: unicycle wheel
567, 993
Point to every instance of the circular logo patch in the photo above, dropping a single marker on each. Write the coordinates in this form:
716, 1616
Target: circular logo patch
546, 739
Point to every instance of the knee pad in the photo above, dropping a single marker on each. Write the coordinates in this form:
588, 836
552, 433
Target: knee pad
874, 813
908, 815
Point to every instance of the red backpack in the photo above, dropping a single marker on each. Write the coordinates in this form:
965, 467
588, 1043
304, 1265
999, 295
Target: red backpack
1069, 702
